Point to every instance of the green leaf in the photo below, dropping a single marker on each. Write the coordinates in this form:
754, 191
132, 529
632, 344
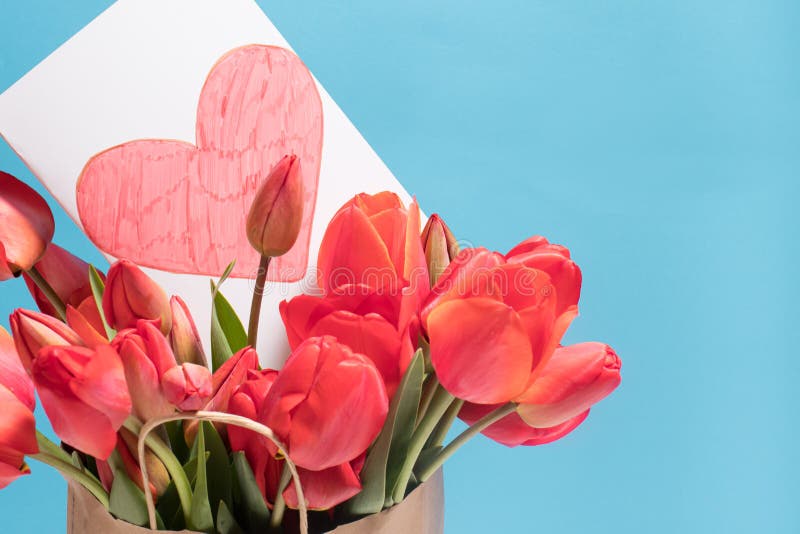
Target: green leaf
251, 504
126, 500
169, 505
232, 327
98, 286
218, 468
384, 460
201, 518
227, 333
177, 440
226, 523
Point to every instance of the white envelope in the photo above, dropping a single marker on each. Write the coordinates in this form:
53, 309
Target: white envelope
136, 72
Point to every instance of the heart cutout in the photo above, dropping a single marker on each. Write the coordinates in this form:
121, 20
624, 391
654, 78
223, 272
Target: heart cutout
178, 207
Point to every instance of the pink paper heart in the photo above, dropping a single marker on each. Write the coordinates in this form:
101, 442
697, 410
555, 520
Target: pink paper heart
179, 207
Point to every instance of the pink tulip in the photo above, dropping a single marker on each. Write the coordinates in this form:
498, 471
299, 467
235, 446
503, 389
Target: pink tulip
156, 382
84, 394
276, 214
17, 424
33, 331
130, 295
26, 226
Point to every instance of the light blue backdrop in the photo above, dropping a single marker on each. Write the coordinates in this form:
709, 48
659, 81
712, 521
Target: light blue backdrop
659, 141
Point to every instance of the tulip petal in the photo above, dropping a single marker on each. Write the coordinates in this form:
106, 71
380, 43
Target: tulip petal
575, 378
143, 383
470, 274
480, 350
512, 431
555, 260
324, 489
17, 425
9, 473
26, 224
370, 335
103, 385
352, 252
78, 424
12, 374
83, 326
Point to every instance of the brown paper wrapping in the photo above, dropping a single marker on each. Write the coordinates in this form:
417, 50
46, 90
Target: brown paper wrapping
422, 512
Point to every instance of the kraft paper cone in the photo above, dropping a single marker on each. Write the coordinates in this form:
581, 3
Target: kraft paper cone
422, 512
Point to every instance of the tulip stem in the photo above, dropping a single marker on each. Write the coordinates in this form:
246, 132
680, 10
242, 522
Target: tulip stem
70, 471
255, 306
173, 465
279, 507
429, 388
438, 406
480, 425
444, 425
49, 292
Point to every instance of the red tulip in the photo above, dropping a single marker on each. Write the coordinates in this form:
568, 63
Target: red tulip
322, 489
131, 295
276, 214
327, 404
575, 378
360, 317
84, 394
26, 226
184, 337
33, 330
513, 431
247, 401
68, 275
374, 241
490, 325
17, 425
440, 246
538, 253
156, 383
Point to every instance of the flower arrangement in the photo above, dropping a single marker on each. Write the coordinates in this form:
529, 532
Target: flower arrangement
404, 333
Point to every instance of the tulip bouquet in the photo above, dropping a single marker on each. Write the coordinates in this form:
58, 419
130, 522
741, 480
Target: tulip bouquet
402, 334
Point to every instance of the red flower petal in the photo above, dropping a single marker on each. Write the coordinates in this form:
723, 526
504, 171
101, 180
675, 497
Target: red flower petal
480, 350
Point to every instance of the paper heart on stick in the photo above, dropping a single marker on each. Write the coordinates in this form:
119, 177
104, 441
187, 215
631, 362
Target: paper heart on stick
178, 207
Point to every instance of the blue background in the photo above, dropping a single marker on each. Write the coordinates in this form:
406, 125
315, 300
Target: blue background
659, 141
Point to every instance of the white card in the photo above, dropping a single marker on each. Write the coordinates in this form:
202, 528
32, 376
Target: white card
137, 72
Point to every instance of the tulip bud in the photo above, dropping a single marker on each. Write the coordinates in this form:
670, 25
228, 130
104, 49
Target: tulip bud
131, 295
26, 226
156, 471
187, 386
575, 378
33, 331
277, 211
184, 338
440, 246
67, 274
